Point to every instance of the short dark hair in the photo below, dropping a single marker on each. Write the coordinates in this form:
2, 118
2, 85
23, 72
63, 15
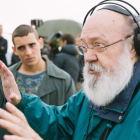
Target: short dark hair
69, 38
24, 30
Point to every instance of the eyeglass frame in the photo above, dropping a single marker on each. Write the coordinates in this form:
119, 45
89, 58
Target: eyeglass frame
79, 47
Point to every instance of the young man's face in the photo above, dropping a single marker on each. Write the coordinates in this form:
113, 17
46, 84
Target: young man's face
28, 49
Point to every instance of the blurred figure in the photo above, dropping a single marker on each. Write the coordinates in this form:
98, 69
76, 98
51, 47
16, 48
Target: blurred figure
53, 49
3, 47
67, 58
81, 64
53, 45
44, 50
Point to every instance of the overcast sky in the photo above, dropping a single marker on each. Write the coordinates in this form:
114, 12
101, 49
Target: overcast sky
16, 12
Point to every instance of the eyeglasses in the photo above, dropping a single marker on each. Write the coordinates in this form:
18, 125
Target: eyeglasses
97, 47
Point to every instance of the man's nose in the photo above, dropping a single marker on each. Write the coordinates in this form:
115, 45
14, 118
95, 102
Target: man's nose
90, 56
28, 51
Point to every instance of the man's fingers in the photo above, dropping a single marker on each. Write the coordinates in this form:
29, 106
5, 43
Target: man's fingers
16, 123
16, 118
13, 137
11, 127
12, 109
4, 115
4, 69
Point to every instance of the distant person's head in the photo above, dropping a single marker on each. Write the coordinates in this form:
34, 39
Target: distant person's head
110, 54
27, 44
0, 30
67, 39
78, 40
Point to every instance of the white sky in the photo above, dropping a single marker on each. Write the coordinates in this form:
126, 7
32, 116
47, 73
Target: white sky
16, 12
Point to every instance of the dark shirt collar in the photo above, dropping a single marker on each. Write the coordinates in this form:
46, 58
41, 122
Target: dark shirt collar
120, 104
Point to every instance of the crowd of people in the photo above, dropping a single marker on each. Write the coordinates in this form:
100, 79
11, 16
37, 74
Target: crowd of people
38, 97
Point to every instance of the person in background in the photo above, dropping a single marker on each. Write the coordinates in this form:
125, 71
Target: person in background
35, 74
108, 107
3, 47
78, 42
67, 59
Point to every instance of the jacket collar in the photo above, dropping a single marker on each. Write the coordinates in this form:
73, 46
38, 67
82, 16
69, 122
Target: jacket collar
52, 70
120, 104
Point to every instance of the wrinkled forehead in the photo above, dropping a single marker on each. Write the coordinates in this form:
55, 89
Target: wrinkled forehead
104, 22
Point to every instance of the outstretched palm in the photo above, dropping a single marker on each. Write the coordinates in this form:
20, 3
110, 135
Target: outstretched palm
10, 88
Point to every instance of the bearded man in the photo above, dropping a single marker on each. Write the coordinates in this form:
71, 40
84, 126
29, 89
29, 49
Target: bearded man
108, 105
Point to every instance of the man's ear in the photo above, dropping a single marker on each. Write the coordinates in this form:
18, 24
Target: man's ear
41, 42
14, 50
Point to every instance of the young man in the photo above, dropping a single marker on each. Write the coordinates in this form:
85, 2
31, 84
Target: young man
37, 75
109, 106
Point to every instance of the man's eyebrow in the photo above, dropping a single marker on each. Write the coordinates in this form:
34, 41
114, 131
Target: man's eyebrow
32, 43
28, 44
94, 39
91, 39
20, 46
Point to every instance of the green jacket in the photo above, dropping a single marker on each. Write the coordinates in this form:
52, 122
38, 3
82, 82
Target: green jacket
56, 87
80, 118
70, 121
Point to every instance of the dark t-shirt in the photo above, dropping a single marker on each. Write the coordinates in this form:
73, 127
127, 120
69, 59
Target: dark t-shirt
29, 83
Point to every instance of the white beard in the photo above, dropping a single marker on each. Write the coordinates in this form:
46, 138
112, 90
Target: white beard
102, 90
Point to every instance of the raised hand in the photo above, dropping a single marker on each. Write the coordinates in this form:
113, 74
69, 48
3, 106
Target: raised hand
16, 123
10, 87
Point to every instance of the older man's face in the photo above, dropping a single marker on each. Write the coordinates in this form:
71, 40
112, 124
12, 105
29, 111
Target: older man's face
104, 71
104, 27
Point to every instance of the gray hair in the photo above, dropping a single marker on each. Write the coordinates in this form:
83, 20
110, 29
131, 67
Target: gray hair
130, 29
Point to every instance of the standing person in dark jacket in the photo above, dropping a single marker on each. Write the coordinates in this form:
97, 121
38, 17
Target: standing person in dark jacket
3, 47
67, 58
